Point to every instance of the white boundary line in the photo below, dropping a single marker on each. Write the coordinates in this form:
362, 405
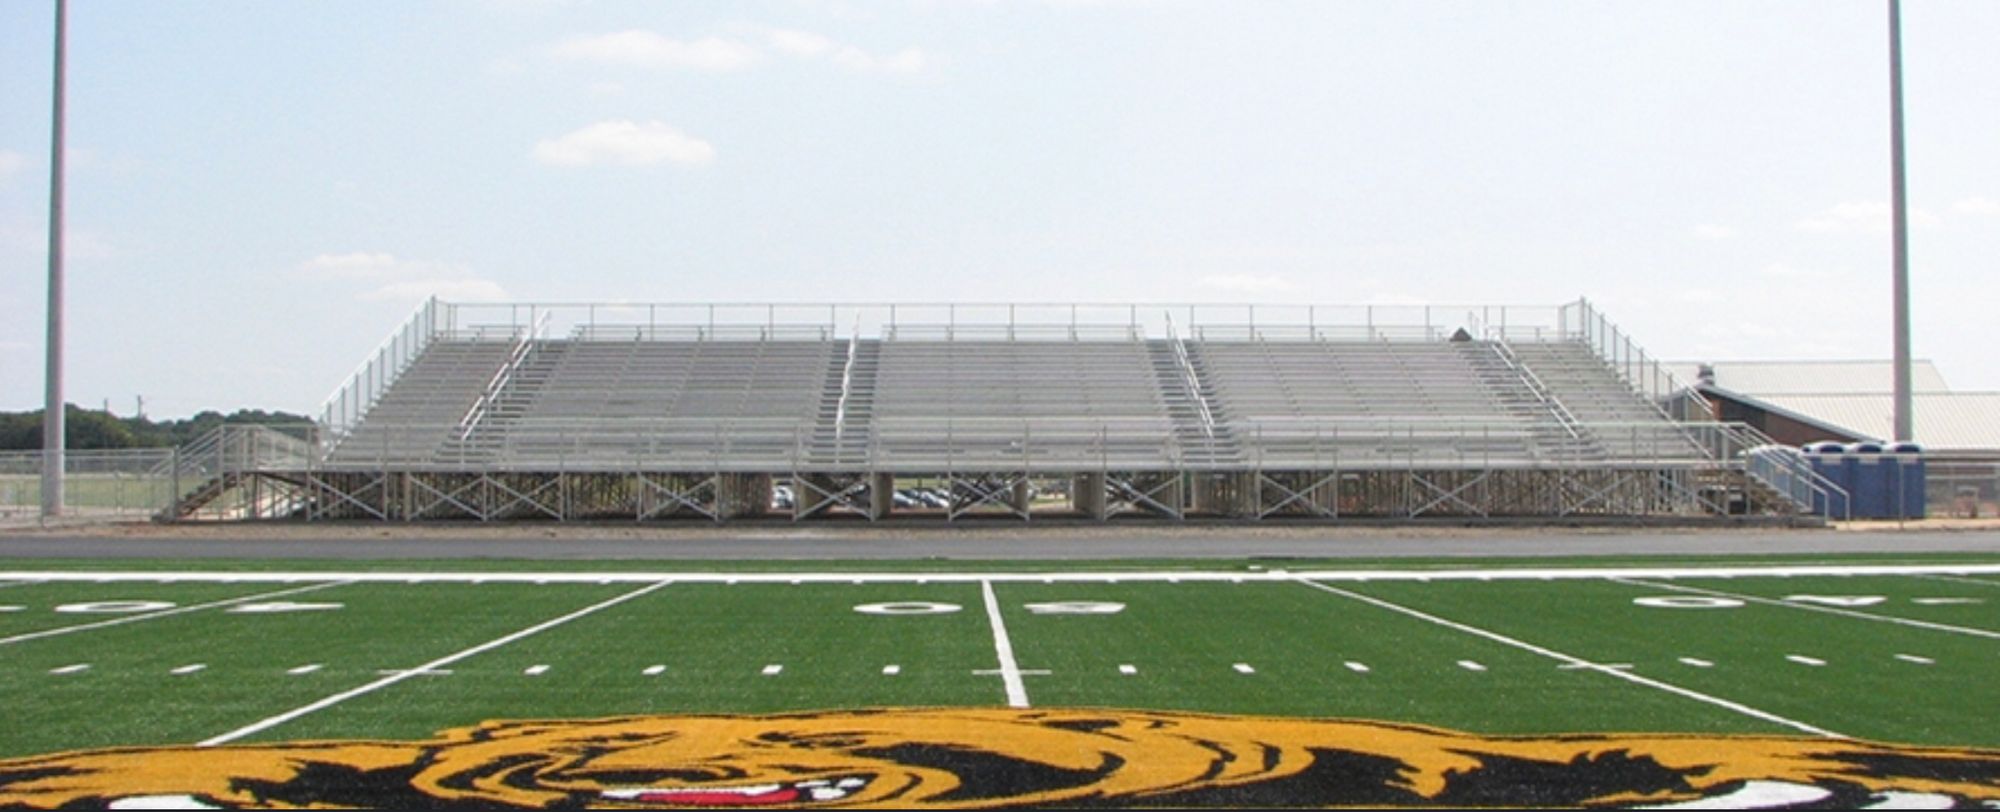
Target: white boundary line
1104, 576
1579, 663
119, 621
1900, 621
1010, 671
431, 666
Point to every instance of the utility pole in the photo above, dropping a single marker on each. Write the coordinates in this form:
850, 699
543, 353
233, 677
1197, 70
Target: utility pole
52, 413
1899, 230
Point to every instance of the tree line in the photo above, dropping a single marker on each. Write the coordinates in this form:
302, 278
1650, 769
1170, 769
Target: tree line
89, 429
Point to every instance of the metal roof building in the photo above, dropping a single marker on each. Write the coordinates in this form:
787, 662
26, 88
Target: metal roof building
1801, 401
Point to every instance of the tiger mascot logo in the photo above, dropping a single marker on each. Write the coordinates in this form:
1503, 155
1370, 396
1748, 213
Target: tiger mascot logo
983, 758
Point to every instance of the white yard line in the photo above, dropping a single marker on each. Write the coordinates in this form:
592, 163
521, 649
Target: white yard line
1934, 577
120, 621
1136, 576
432, 666
1010, 671
1579, 662
1810, 607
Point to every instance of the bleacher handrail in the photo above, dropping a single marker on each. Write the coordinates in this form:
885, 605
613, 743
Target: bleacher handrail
1540, 390
846, 384
1192, 380
343, 410
524, 347
1650, 377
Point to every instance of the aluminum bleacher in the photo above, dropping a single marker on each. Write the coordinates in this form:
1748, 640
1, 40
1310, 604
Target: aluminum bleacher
1026, 404
483, 414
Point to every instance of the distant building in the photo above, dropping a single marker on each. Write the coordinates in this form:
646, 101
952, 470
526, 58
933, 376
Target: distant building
1798, 402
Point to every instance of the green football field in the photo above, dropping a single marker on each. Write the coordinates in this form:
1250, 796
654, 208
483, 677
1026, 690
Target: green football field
1887, 651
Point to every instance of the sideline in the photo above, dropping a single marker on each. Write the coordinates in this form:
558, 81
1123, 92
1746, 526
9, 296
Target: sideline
1058, 576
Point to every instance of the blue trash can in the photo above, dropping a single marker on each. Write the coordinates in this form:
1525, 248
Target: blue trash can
1868, 469
1906, 466
1825, 459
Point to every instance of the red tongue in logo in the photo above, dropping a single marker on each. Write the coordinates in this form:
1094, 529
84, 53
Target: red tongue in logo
783, 795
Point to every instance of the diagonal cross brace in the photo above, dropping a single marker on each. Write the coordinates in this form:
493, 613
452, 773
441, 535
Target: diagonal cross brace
380, 481
1299, 495
682, 498
984, 495
1450, 495
1132, 495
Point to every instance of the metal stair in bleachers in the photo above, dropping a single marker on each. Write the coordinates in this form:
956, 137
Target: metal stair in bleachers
1619, 419
412, 421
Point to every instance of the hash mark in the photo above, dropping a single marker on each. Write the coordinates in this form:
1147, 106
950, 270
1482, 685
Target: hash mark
772, 670
1804, 660
1469, 665
1698, 663
892, 670
71, 669
1244, 668
654, 670
305, 669
1356, 667
1128, 670
536, 670
188, 669
1912, 658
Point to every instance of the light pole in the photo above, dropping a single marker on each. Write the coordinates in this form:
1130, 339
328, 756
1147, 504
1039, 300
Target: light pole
1899, 230
52, 411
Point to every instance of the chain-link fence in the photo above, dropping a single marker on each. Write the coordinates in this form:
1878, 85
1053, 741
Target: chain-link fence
123, 483
1962, 490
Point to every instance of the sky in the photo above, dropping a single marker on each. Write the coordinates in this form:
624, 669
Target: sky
260, 192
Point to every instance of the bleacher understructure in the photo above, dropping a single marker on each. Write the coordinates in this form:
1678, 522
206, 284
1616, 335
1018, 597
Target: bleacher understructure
652, 412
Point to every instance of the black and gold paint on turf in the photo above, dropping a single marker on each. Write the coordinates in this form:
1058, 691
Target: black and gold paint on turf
989, 758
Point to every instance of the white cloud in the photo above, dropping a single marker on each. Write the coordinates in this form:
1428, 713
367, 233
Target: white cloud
1780, 270
389, 278
1245, 283
1860, 216
1711, 231
646, 49
1984, 206
11, 162
803, 44
908, 60
624, 142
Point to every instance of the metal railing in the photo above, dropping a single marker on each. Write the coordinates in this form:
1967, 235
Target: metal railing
343, 409
497, 385
1004, 321
1041, 443
1647, 375
1535, 386
846, 386
1191, 380
1785, 470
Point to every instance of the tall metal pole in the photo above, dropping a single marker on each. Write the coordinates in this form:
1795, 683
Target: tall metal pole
1899, 229
52, 413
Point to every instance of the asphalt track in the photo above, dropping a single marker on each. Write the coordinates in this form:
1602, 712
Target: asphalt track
1048, 544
